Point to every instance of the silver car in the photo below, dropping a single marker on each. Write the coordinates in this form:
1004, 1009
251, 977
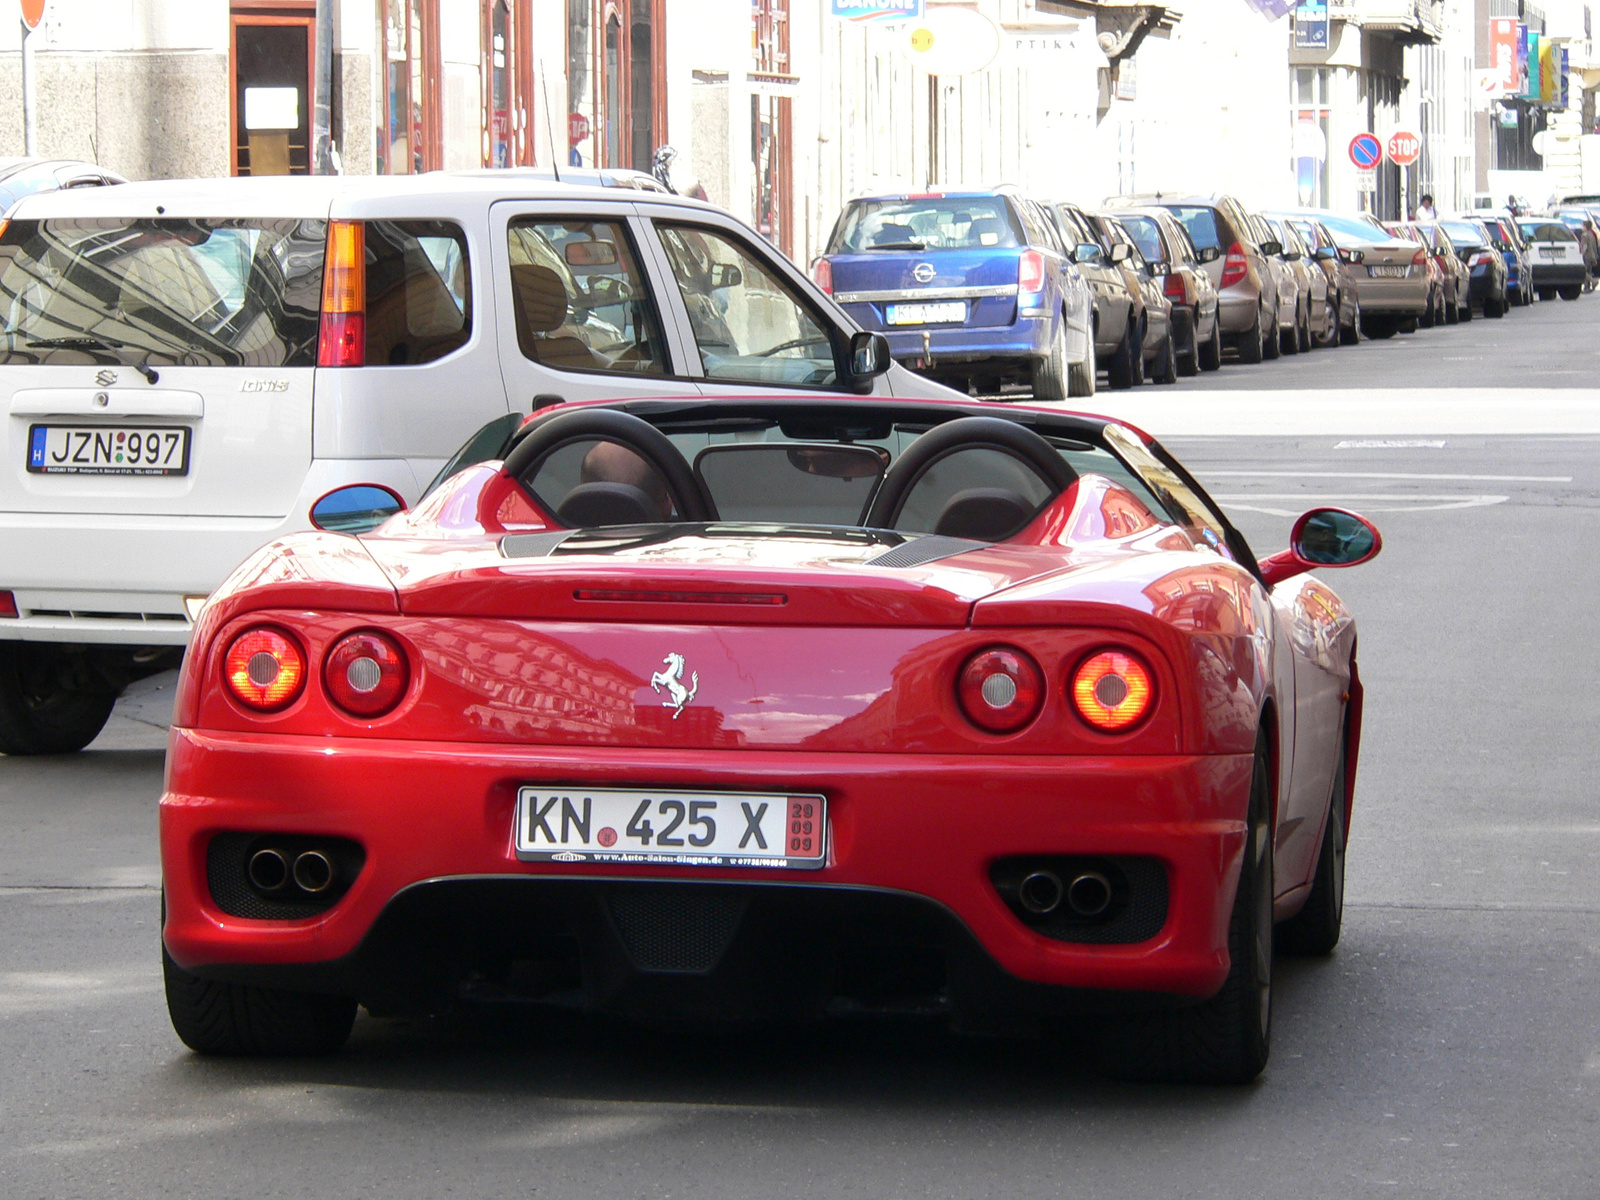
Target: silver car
1396, 283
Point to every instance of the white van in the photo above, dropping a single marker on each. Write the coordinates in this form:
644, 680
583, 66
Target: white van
188, 366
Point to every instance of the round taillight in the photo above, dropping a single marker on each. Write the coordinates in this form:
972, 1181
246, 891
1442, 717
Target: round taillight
366, 674
1112, 690
265, 669
1000, 689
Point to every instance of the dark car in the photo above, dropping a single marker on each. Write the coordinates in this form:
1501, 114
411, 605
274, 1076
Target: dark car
1475, 245
972, 288
1508, 239
1160, 363
1117, 307
1196, 323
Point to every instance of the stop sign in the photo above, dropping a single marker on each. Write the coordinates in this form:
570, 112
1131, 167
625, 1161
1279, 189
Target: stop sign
577, 128
32, 13
1404, 148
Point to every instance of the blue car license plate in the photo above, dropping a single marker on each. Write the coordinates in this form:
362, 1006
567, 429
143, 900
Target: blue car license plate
944, 313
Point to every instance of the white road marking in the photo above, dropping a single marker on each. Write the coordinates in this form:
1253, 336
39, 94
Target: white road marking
1384, 503
1390, 444
1387, 475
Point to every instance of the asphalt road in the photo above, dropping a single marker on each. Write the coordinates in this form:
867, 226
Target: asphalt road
1449, 1048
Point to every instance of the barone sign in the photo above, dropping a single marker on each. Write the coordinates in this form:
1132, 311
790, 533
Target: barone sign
876, 10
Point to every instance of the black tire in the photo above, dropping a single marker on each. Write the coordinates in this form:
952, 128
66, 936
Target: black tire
1350, 335
1452, 314
1307, 342
1272, 343
1314, 930
1378, 327
1081, 376
40, 712
1289, 342
1427, 319
1050, 372
1408, 324
235, 1020
1494, 307
1188, 349
1252, 348
1464, 311
1571, 293
1225, 1039
1127, 366
1166, 364
1211, 351
1547, 293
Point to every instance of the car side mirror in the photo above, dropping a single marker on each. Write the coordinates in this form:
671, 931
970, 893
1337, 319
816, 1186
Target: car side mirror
1291, 256
1210, 254
1119, 252
1158, 268
1087, 252
869, 356
725, 275
1271, 248
1326, 254
1324, 537
356, 508
1352, 256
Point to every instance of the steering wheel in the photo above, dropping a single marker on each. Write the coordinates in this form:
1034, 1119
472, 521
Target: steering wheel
965, 433
689, 498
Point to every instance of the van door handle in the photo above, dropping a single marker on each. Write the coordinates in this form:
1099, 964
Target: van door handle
106, 402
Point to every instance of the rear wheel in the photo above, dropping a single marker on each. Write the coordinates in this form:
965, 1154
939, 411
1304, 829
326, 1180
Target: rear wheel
1464, 311
1272, 343
1165, 369
1452, 313
1211, 351
1572, 293
1408, 325
1304, 330
1225, 1039
232, 1019
1494, 306
1314, 930
1427, 320
1378, 327
43, 710
1127, 367
1188, 349
1050, 372
1547, 293
1350, 335
1080, 375
1252, 342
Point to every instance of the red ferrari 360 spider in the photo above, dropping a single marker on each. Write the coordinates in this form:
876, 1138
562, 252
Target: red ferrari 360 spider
770, 708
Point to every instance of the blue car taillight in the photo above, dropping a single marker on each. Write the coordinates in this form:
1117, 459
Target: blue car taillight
1030, 272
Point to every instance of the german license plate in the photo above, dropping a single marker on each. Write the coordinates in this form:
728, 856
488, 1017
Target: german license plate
709, 829
1388, 272
108, 450
926, 314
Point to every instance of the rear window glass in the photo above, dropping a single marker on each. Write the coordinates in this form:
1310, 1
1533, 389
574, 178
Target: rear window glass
1200, 223
1463, 234
419, 291
211, 292
941, 223
1546, 231
1354, 231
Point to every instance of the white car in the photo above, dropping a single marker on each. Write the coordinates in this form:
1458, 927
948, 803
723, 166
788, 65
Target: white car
189, 366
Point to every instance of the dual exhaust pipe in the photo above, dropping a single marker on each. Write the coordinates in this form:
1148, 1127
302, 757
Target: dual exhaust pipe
312, 872
1086, 894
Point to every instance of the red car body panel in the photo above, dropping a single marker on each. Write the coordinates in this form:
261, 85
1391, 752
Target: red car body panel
820, 674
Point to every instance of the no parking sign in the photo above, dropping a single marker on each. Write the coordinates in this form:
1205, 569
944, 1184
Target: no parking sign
1366, 151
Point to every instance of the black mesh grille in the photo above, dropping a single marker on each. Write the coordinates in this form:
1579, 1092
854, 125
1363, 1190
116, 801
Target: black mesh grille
924, 550
232, 892
678, 927
1137, 911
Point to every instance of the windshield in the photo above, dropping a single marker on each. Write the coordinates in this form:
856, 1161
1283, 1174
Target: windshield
1147, 236
168, 292
936, 223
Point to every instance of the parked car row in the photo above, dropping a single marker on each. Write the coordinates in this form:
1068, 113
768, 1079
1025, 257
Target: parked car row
984, 289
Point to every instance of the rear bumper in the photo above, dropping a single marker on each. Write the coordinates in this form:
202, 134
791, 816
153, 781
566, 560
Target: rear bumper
434, 821
1407, 296
1559, 274
1237, 307
1027, 339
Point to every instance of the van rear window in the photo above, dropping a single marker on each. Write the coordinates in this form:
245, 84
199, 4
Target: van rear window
191, 292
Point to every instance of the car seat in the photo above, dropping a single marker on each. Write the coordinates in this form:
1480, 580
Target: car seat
539, 300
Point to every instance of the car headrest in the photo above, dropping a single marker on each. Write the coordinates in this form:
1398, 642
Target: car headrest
983, 514
889, 234
985, 225
591, 504
541, 295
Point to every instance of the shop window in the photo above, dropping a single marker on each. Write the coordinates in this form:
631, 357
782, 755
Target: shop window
616, 82
507, 73
411, 138
270, 62
771, 153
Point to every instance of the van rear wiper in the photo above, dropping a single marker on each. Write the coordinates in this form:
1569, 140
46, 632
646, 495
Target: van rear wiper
76, 343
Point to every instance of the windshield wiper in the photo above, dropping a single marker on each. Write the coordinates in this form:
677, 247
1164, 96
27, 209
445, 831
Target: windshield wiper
899, 246
76, 343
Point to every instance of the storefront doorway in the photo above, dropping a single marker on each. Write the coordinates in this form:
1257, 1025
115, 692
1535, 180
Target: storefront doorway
270, 64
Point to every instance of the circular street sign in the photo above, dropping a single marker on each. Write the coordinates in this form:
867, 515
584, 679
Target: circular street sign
952, 41
577, 128
1404, 147
1310, 141
32, 13
1366, 151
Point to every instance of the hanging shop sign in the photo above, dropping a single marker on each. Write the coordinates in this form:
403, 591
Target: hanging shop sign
952, 41
1311, 25
877, 10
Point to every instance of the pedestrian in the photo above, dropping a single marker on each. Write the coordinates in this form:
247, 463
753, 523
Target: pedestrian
1511, 207
1425, 210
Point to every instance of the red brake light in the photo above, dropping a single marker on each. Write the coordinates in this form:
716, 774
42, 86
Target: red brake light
1177, 287
1235, 266
1030, 272
1419, 259
8, 604
265, 669
342, 335
1112, 690
366, 674
1000, 689
823, 274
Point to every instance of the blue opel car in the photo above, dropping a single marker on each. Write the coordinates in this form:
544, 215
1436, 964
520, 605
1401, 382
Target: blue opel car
972, 288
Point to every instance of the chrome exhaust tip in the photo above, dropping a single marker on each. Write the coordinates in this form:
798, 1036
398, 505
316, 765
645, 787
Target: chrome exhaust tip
1040, 892
267, 869
1089, 894
313, 872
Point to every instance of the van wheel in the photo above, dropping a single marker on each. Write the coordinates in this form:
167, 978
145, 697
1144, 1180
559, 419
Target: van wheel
1224, 1039
41, 709
1080, 375
1211, 352
1050, 372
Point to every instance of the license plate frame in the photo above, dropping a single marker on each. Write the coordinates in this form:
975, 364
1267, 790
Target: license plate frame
788, 829
1384, 271
926, 312
107, 449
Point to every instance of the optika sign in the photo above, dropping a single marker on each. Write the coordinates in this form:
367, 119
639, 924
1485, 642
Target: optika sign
876, 10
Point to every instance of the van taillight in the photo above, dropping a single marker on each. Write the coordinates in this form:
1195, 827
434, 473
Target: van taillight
342, 340
1235, 266
823, 274
8, 604
1030, 272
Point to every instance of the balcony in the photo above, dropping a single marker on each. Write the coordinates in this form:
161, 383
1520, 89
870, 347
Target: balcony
1410, 22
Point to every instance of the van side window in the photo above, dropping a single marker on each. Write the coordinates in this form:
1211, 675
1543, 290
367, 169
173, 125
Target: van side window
748, 326
419, 291
580, 301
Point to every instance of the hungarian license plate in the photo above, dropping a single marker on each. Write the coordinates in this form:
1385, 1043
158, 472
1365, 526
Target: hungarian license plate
1388, 272
710, 829
108, 450
926, 314
1553, 251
